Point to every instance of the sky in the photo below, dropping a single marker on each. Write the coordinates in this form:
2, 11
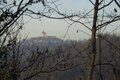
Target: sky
59, 28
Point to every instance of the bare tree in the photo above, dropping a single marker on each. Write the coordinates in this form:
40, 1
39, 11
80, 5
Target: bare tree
12, 13
97, 20
11, 22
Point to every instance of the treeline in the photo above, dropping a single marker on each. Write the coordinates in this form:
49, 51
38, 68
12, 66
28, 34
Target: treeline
64, 60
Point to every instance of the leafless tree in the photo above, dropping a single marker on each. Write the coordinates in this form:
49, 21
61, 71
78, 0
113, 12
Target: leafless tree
98, 18
12, 21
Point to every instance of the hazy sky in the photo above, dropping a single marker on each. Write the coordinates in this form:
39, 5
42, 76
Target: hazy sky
58, 28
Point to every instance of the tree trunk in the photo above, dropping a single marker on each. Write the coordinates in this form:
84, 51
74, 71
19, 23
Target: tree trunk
93, 53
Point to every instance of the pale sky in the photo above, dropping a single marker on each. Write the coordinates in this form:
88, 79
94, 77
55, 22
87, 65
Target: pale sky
58, 28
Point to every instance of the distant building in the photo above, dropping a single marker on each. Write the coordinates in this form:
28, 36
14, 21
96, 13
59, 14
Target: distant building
44, 34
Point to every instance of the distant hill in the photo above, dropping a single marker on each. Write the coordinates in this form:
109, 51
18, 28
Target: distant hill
40, 42
49, 39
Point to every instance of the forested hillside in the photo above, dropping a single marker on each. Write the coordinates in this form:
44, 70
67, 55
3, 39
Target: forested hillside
67, 59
